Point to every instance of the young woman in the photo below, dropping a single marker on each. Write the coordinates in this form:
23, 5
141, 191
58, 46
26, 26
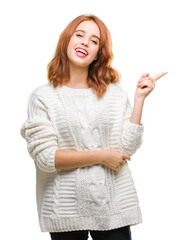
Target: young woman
80, 132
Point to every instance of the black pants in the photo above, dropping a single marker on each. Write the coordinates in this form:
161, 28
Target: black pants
123, 233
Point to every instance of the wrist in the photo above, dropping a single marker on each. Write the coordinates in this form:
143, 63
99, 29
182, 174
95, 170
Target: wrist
96, 157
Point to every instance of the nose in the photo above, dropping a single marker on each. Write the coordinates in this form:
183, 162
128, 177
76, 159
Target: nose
85, 42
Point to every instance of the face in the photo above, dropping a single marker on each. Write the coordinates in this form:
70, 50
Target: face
84, 44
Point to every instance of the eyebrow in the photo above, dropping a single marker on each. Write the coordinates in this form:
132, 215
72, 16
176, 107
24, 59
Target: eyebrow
84, 32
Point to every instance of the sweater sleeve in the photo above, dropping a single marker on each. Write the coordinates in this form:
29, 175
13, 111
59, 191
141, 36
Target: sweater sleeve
40, 135
132, 133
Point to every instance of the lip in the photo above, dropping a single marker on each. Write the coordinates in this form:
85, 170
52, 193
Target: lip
82, 49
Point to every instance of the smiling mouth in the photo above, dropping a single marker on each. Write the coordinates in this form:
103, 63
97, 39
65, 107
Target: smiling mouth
82, 51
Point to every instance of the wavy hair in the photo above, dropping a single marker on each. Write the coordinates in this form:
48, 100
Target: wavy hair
100, 72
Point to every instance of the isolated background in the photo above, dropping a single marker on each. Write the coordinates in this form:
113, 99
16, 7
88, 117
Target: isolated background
148, 37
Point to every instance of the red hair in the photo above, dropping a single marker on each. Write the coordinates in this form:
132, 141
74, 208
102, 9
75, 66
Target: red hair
100, 72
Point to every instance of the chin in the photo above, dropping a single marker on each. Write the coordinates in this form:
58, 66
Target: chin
82, 64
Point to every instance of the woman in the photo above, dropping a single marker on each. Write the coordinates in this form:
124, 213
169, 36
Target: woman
80, 132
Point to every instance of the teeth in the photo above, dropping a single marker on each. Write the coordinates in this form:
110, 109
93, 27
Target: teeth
81, 50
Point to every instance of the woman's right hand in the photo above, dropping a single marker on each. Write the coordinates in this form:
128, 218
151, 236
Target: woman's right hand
113, 159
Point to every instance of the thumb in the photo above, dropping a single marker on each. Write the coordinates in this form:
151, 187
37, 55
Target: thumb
145, 75
126, 156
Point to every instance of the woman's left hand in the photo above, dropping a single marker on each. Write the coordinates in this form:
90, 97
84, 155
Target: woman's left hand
146, 84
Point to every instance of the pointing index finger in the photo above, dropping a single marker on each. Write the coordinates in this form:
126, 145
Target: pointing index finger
159, 76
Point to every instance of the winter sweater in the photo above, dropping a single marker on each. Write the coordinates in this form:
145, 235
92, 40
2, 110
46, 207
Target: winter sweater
94, 197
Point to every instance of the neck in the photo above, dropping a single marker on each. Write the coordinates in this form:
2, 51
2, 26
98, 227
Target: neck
78, 77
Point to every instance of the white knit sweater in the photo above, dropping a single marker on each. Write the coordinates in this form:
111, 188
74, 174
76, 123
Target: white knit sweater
88, 198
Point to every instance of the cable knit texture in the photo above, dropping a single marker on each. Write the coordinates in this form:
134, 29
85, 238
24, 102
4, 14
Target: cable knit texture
88, 198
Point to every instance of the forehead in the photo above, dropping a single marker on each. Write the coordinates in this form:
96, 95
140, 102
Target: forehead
89, 27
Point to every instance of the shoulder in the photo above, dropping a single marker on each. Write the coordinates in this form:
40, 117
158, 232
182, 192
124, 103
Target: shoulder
118, 89
42, 91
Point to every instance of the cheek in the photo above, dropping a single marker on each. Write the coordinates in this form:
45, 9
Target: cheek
95, 52
71, 43
69, 48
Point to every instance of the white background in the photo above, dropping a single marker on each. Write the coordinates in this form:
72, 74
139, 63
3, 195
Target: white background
148, 37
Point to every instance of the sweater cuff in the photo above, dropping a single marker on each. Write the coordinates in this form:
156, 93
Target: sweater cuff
135, 128
46, 160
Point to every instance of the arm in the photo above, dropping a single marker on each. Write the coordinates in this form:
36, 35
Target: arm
40, 135
132, 131
67, 159
137, 111
110, 158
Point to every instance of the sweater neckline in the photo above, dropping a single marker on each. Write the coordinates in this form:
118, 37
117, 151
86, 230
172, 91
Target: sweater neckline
76, 91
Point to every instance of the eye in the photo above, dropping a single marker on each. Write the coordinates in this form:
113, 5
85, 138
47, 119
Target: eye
79, 35
94, 41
